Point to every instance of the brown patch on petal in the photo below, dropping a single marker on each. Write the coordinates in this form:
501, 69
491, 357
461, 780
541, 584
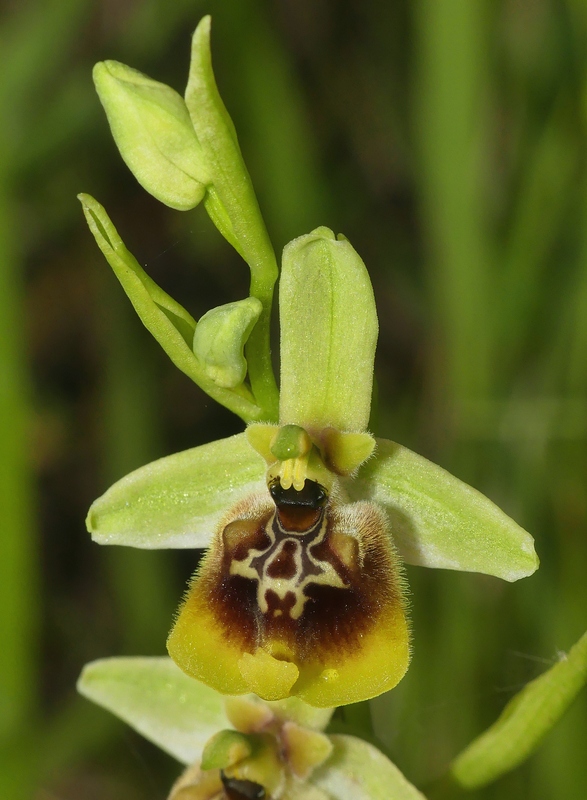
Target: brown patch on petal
335, 620
241, 536
284, 565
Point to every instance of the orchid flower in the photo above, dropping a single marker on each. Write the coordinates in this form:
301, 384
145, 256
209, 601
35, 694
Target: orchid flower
241, 748
306, 517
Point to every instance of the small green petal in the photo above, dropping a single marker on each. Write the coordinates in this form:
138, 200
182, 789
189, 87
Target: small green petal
526, 719
328, 334
439, 521
152, 695
220, 338
168, 322
178, 500
358, 771
152, 129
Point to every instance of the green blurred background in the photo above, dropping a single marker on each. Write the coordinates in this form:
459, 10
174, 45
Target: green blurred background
446, 139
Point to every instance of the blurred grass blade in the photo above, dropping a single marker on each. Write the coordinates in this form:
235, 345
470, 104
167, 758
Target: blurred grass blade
526, 719
18, 542
152, 695
450, 94
439, 521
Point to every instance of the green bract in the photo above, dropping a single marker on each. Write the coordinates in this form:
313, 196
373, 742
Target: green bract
526, 719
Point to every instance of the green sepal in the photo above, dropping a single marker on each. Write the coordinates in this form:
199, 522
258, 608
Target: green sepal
152, 129
158, 700
328, 334
164, 318
438, 521
232, 206
526, 719
177, 501
220, 337
358, 771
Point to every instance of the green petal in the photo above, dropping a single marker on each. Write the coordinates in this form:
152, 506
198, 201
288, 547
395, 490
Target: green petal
153, 131
178, 500
328, 334
358, 771
439, 521
164, 318
526, 719
173, 711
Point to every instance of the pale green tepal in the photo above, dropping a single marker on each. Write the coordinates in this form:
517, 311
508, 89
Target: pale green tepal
278, 746
328, 319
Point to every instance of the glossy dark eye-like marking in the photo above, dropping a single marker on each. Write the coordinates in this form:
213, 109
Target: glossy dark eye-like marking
290, 560
242, 790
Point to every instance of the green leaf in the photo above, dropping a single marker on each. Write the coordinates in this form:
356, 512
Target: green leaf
153, 131
171, 325
233, 207
526, 719
358, 771
439, 521
220, 338
328, 334
159, 701
178, 501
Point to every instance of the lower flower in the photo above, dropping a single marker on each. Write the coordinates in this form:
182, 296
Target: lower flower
300, 594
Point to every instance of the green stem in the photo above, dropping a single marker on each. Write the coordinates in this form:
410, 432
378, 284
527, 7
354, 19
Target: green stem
234, 209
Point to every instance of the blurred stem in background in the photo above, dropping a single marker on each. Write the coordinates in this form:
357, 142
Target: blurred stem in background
19, 591
28, 42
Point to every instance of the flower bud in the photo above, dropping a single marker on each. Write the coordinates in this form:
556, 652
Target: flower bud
152, 129
220, 337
